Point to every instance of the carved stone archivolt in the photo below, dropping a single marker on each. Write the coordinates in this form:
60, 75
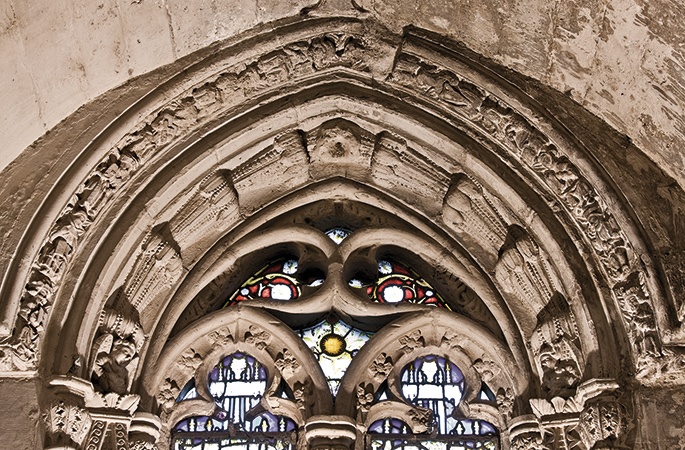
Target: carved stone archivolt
348, 49
437, 156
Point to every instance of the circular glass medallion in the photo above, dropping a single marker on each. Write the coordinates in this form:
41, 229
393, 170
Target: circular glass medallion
332, 344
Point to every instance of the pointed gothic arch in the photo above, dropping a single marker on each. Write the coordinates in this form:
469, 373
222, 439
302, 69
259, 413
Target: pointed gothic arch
424, 151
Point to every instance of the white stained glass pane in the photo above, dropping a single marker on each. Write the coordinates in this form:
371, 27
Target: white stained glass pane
290, 267
347, 339
338, 235
281, 292
384, 267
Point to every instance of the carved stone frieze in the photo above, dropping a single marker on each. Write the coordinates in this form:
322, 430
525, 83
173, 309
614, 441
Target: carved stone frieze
541, 156
66, 424
603, 419
156, 270
593, 418
192, 109
206, 214
406, 171
273, 171
524, 270
80, 417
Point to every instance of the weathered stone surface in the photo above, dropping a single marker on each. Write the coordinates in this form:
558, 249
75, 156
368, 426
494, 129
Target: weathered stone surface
590, 287
621, 59
21, 417
660, 413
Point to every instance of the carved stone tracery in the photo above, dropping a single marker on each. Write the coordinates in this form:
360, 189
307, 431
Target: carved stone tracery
521, 265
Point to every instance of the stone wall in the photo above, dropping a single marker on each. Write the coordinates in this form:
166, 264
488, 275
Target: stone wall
621, 59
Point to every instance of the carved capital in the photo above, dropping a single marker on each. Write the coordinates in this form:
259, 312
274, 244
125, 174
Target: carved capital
66, 425
603, 421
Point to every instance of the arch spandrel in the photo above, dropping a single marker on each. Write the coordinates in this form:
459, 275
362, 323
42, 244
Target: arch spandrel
192, 178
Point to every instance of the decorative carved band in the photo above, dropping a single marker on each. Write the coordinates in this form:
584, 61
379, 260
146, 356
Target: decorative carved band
347, 52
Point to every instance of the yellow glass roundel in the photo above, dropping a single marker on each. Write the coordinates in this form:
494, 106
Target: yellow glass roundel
332, 344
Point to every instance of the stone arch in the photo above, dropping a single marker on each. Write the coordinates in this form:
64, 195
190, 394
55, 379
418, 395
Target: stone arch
458, 156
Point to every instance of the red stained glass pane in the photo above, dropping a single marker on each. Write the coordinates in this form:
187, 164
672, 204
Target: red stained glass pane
398, 283
276, 281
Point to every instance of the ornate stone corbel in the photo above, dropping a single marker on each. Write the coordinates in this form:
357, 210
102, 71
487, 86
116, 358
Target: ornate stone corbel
339, 147
330, 433
556, 346
114, 356
525, 434
144, 431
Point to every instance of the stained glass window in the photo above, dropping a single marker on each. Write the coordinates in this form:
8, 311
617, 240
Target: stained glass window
436, 384
398, 283
236, 384
334, 343
276, 281
338, 234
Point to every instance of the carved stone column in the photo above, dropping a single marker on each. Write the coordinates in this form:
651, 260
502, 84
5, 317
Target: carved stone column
330, 433
144, 431
67, 421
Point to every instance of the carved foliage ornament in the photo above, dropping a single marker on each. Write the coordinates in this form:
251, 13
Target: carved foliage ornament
538, 153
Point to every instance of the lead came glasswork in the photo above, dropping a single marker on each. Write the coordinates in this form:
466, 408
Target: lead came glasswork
276, 281
334, 343
399, 283
236, 384
338, 234
434, 383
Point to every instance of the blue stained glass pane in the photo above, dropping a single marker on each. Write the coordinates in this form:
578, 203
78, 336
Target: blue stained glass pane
188, 392
237, 384
389, 426
434, 383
